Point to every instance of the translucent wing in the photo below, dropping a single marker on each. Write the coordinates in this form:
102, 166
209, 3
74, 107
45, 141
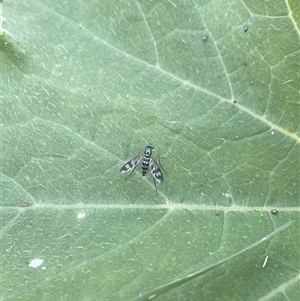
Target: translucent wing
156, 171
131, 164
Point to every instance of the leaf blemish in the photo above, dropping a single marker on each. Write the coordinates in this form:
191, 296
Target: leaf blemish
34, 263
81, 215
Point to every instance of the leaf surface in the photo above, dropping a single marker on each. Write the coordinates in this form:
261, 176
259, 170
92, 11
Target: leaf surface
85, 86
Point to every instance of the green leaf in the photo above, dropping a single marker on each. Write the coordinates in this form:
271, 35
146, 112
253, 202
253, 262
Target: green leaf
165, 288
85, 86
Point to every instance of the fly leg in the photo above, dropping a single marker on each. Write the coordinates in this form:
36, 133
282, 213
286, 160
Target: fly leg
130, 173
159, 157
155, 186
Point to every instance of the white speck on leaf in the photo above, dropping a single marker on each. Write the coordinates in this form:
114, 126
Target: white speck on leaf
81, 215
34, 263
265, 262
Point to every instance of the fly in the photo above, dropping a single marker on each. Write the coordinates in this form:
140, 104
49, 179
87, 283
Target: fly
147, 160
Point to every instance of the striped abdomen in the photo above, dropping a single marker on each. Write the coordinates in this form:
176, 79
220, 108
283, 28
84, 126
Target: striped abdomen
146, 159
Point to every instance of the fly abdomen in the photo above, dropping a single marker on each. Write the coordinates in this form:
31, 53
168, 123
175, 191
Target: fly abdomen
145, 165
146, 160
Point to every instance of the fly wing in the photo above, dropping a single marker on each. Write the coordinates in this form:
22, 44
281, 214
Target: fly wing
131, 164
156, 171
